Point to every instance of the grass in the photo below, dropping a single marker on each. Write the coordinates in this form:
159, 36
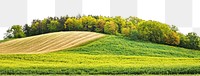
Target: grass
114, 45
109, 55
71, 63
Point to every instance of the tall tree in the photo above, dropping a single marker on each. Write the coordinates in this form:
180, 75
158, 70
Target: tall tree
27, 29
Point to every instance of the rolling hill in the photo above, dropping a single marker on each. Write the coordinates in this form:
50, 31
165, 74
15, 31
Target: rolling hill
115, 45
47, 42
93, 53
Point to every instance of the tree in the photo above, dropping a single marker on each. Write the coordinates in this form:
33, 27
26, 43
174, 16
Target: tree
73, 24
27, 29
120, 22
194, 41
62, 22
183, 40
44, 25
15, 31
88, 23
157, 32
172, 38
69, 24
111, 27
79, 25
126, 30
35, 28
100, 25
53, 26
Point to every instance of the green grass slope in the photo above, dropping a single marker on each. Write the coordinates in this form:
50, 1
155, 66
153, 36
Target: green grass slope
107, 55
114, 45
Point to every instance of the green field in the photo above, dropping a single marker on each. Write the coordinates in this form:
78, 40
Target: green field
115, 45
108, 55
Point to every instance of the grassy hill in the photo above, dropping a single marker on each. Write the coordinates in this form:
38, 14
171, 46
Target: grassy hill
107, 55
47, 42
115, 45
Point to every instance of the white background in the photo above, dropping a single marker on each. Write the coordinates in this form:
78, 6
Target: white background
96, 7
151, 10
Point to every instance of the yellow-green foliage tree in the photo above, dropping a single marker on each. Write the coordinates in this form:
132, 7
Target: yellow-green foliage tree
69, 24
73, 24
126, 30
100, 25
44, 24
111, 27
53, 26
88, 23
157, 32
172, 38
79, 24
35, 28
120, 22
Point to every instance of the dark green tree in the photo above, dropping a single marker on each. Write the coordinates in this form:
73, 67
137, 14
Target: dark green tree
194, 41
27, 29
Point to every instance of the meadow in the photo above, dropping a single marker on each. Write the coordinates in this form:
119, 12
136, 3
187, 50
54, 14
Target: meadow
96, 64
109, 55
119, 45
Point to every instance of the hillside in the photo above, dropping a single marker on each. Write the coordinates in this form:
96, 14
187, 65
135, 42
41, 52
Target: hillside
115, 45
47, 42
107, 55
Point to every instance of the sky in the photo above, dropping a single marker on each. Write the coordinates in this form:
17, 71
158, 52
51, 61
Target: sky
39, 9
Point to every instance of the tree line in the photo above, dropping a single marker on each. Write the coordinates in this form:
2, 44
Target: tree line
132, 27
